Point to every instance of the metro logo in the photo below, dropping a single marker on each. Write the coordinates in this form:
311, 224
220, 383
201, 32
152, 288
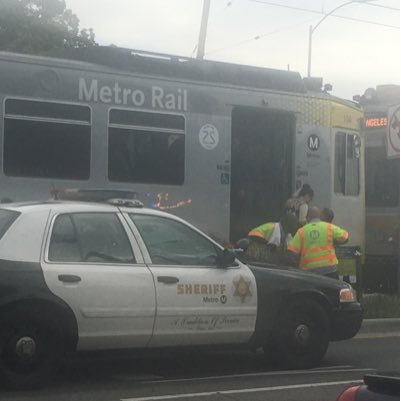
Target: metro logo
313, 142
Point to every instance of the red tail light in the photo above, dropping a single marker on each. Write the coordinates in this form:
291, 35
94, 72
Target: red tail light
350, 394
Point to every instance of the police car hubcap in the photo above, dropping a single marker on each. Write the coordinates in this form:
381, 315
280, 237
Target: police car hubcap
25, 347
302, 334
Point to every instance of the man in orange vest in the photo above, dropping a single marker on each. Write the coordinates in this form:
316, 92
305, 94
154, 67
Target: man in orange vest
314, 244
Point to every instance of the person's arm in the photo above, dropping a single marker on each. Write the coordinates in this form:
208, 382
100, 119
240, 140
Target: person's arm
294, 250
296, 193
340, 236
290, 258
303, 211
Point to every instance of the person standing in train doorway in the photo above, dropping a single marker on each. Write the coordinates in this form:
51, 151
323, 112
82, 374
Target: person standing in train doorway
298, 204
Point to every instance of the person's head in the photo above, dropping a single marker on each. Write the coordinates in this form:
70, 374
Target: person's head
313, 213
305, 187
307, 193
289, 223
327, 215
243, 244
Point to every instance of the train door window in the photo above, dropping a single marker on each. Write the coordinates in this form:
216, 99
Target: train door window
352, 165
146, 147
339, 167
46, 140
347, 164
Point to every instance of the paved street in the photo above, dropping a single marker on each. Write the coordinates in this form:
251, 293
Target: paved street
222, 375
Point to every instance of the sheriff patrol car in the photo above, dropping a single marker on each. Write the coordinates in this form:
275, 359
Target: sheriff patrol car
113, 275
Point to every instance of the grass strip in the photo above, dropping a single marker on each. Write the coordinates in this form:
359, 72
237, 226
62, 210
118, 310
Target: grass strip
381, 306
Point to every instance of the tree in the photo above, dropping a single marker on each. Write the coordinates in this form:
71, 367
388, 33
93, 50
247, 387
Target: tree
37, 26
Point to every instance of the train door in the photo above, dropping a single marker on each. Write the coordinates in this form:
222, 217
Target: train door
261, 166
382, 263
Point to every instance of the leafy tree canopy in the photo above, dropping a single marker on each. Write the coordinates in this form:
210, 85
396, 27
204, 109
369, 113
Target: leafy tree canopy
36, 26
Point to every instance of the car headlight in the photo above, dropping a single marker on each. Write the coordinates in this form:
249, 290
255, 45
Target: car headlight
347, 295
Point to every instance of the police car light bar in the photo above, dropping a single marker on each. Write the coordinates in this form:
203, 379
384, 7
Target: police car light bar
125, 202
93, 195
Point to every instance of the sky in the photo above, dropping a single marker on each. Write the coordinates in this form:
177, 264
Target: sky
354, 48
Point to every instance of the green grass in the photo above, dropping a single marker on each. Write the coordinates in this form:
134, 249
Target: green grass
381, 306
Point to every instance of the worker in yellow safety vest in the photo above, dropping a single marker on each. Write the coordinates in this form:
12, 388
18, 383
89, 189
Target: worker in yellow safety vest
314, 245
270, 240
264, 231
275, 233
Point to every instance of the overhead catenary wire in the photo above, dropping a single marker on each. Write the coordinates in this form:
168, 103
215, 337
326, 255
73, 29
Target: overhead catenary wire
257, 37
260, 36
319, 12
381, 6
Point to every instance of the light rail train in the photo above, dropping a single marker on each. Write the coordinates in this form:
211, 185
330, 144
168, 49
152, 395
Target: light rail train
218, 144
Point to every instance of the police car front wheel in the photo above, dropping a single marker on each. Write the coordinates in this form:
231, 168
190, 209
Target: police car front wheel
31, 347
301, 336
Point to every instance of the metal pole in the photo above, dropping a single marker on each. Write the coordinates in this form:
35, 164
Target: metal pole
312, 29
359, 274
310, 51
202, 34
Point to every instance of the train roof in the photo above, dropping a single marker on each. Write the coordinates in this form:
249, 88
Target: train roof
171, 66
111, 59
175, 67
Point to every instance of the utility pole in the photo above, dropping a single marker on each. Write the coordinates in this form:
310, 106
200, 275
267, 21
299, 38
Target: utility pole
312, 29
202, 34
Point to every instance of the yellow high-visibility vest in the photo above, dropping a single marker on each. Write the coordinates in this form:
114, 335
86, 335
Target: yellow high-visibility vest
263, 231
315, 244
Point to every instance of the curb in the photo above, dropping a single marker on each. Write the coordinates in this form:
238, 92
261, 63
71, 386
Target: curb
380, 325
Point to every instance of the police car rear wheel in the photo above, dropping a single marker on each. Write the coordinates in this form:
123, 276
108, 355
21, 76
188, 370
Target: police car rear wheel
31, 347
301, 337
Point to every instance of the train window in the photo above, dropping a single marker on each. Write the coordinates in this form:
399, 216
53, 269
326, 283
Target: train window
352, 165
146, 147
339, 167
38, 146
34, 108
146, 119
347, 164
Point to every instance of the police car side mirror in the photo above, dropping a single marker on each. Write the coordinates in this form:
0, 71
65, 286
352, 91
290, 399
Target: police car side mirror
225, 258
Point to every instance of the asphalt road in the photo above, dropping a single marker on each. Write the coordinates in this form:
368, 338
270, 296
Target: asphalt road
219, 376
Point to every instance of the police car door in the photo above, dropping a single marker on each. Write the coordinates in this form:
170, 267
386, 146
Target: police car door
196, 301
91, 263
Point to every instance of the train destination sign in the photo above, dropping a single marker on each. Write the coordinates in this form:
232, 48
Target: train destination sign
376, 122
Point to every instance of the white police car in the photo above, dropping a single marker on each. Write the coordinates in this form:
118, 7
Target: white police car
112, 275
